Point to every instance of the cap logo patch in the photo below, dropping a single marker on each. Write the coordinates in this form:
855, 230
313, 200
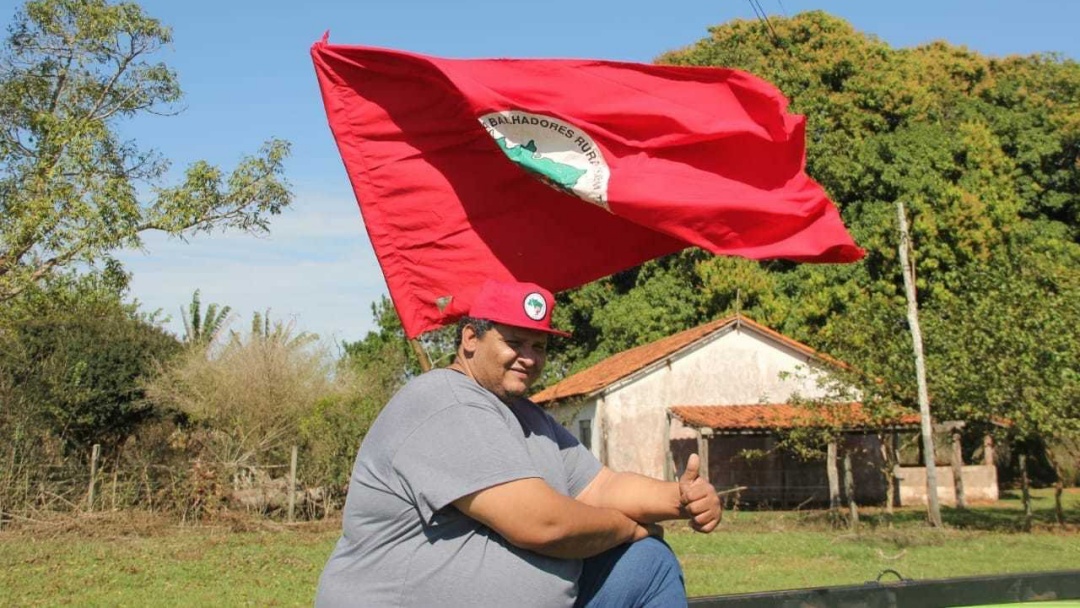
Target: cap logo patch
535, 306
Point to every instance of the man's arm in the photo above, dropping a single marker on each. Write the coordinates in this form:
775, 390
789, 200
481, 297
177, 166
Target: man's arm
649, 500
531, 515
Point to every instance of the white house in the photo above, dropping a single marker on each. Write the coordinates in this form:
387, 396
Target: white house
720, 389
620, 407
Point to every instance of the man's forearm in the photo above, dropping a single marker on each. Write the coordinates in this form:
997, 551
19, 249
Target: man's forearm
640, 498
589, 534
531, 515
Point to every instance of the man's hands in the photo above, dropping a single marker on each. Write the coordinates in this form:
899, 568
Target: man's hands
698, 497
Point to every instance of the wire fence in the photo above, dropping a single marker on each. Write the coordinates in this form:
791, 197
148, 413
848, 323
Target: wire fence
191, 489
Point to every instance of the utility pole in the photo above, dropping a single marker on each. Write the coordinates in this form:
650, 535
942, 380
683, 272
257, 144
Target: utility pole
933, 509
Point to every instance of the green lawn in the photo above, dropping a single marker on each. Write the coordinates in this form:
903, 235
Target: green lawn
133, 560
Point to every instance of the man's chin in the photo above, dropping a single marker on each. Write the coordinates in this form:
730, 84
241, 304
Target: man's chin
516, 391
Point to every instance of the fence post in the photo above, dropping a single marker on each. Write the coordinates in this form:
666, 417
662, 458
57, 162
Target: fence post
94, 455
292, 484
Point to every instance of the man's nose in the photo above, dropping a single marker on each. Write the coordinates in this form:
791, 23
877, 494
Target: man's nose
529, 355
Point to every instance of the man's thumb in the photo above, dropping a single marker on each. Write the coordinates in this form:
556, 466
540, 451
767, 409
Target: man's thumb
693, 465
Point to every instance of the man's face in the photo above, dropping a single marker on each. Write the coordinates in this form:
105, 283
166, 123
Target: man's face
507, 360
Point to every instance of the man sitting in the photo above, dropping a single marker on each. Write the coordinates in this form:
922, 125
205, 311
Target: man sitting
465, 493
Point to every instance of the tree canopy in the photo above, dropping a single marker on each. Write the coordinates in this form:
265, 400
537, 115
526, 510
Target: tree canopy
72, 187
985, 154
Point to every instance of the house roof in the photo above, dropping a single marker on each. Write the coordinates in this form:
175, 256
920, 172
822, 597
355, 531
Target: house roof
781, 416
623, 364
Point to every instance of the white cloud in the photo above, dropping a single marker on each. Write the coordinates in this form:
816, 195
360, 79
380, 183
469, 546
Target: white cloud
316, 267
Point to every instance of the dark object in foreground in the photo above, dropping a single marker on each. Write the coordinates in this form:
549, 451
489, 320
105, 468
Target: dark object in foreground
904, 593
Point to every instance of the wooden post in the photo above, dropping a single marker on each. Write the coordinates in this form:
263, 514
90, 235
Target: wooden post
889, 462
908, 270
95, 453
601, 431
669, 459
703, 452
988, 449
849, 489
834, 477
1025, 488
292, 483
957, 462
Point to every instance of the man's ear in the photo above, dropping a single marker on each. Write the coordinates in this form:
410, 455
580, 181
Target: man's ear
469, 339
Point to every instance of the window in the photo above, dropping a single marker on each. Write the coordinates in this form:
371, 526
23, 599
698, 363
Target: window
585, 433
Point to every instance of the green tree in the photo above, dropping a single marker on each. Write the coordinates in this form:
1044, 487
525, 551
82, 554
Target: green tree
72, 188
628, 309
386, 354
1010, 344
202, 328
979, 149
76, 357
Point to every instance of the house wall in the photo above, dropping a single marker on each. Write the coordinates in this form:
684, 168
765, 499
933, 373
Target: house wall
778, 477
980, 484
570, 416
739, 367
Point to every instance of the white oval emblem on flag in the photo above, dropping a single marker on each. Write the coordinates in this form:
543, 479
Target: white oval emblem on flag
560, 154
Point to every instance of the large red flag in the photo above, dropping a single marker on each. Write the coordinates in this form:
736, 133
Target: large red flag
560, 172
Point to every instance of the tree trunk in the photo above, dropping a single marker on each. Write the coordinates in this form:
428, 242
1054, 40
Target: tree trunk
1059, 488
1059, 513
907, 269
849, 489
1025, 489
957, 461
988, 450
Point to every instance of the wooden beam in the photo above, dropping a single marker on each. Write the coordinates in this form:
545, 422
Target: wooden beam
834, 477
957, 461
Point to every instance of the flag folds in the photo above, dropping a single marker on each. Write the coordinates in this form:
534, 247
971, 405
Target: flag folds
560, 172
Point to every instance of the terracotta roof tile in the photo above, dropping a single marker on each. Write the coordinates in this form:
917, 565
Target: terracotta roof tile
623, 364
777, 416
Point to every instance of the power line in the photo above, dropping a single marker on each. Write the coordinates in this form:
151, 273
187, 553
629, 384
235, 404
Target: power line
760, 12
765, 18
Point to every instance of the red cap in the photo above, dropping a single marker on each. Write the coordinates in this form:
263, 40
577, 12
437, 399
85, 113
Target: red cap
524, 305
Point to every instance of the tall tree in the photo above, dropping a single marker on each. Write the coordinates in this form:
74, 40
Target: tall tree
72, 188
978, 149
201, 327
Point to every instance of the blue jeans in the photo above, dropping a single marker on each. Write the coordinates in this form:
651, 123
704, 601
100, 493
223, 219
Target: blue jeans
644, 574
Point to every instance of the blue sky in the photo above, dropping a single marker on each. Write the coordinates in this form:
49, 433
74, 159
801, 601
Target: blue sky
247, 76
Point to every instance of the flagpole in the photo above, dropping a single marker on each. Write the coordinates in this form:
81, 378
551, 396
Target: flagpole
421, 354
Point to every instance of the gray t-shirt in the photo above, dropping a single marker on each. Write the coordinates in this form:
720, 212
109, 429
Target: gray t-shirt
404, 544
